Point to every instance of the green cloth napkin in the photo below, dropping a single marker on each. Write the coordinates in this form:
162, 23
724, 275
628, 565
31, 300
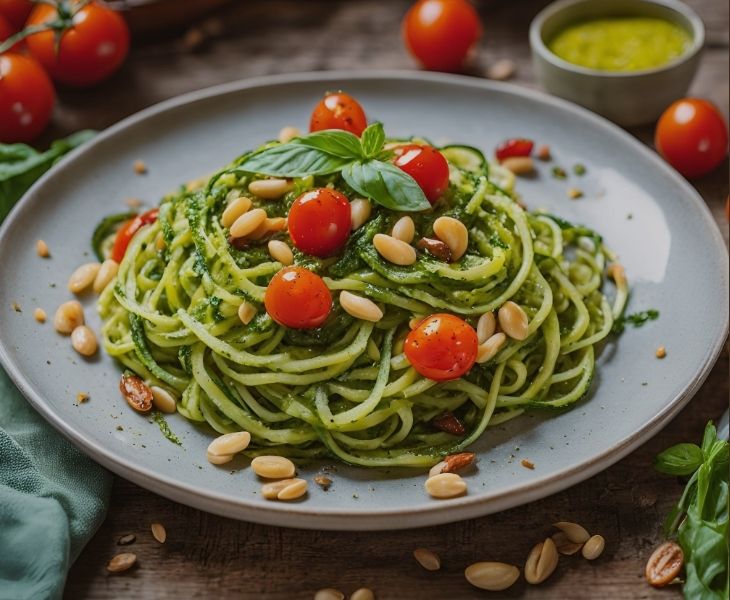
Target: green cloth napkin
52, 500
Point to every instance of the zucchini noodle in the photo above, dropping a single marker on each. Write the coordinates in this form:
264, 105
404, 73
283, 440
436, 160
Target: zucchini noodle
346, 389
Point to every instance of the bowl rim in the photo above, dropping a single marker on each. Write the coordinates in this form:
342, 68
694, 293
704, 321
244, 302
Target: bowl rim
539, 47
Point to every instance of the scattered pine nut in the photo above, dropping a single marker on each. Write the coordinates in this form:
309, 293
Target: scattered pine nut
68, 316
519, 165
323, 481
486, 326
661, 352
82, 397
295, 489
329, 594
574, 193
163, 400
527, 464
502, 70
404, 229
83, 340
454, 234
230, 443
105, 274
158, 532
359, 212
593, 548
541, 562
564, 545
121, 562
288, 133
513, 320
363, 594
360, 307
543, 152
394, 250
445, 485
273, 467
428, 559
41, 249
126, 539
270, 189
492, 576
246, 312
134, 203
39, 315
83, 277
574, 532
219, 459
280, 251
139, 167
488, 350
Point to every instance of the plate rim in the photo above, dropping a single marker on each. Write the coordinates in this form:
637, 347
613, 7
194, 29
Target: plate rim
298, 516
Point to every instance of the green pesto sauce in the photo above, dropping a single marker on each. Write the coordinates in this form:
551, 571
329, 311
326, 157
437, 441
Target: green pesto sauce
621, 43
165, 428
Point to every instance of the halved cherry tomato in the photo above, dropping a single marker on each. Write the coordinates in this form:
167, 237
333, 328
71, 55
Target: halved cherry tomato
16, 12
91, 49
442, 347
514, 147
338, 111
440, 33
26, 98
298, 298
320, 222
427, 166
127, 230
692, 136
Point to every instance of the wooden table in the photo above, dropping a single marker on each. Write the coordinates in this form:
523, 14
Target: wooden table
209, 556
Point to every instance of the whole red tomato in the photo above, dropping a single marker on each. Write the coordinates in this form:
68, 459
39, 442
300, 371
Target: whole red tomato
338, 111
426, 165
26, 98
692, 136
298, 298
440, 33
16, 12
320, 222
93, 46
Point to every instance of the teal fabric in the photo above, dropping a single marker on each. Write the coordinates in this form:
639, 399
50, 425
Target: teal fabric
52, 500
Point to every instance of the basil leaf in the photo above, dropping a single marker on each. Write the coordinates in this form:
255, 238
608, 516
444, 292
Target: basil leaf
333, 141
21, 165
386, 184
682, 459
372, 140
292, 160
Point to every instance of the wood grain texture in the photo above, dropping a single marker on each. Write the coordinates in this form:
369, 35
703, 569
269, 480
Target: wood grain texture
208, 556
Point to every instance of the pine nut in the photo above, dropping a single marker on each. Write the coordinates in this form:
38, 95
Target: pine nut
502, 70
158, 532
246, 312
593, 548
564, 545
359, 307
39, 315
235, 209
427, 559
513, 320
404, 230
163, 400
121, 562
454, 234
519, 165
267, 227
270, 189
664, 564
486, 326
445, 485
288, 133
139, 167
247, 222
271, 490
574, 532
273, 467
280, 251
107, 272
543, 152
359, 212
296, 488
83, 277
218, 459
393, 250
230, 443
575, 193
437, 469
492, 576
329, 594
488, 350
83, 340
363, 594
541, 562
661, 352
41, 249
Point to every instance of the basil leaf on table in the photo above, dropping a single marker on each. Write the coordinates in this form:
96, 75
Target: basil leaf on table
293, 160
385, 183
21, 165
682, 459
372, 140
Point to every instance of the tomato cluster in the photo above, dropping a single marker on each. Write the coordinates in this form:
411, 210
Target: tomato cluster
94, 41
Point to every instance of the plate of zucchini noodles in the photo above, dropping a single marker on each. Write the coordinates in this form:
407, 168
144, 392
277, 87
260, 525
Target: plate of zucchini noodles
379, 300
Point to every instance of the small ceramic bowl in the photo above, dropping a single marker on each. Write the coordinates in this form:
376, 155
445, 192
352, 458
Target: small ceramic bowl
627, 98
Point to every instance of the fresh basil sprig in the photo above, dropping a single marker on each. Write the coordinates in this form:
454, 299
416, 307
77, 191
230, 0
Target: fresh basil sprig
359, 160
700, 519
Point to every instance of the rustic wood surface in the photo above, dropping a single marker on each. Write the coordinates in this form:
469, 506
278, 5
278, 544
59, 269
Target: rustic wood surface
209, 556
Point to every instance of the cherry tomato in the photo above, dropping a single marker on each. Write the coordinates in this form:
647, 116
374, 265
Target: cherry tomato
692, 136
91, 49
440, 33
320, 222
16, 12
427, 166
338, 111
127, 230
442, 347
514, 147
298, 298
26, 98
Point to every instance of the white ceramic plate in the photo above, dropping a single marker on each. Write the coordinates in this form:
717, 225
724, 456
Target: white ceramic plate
672, 250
